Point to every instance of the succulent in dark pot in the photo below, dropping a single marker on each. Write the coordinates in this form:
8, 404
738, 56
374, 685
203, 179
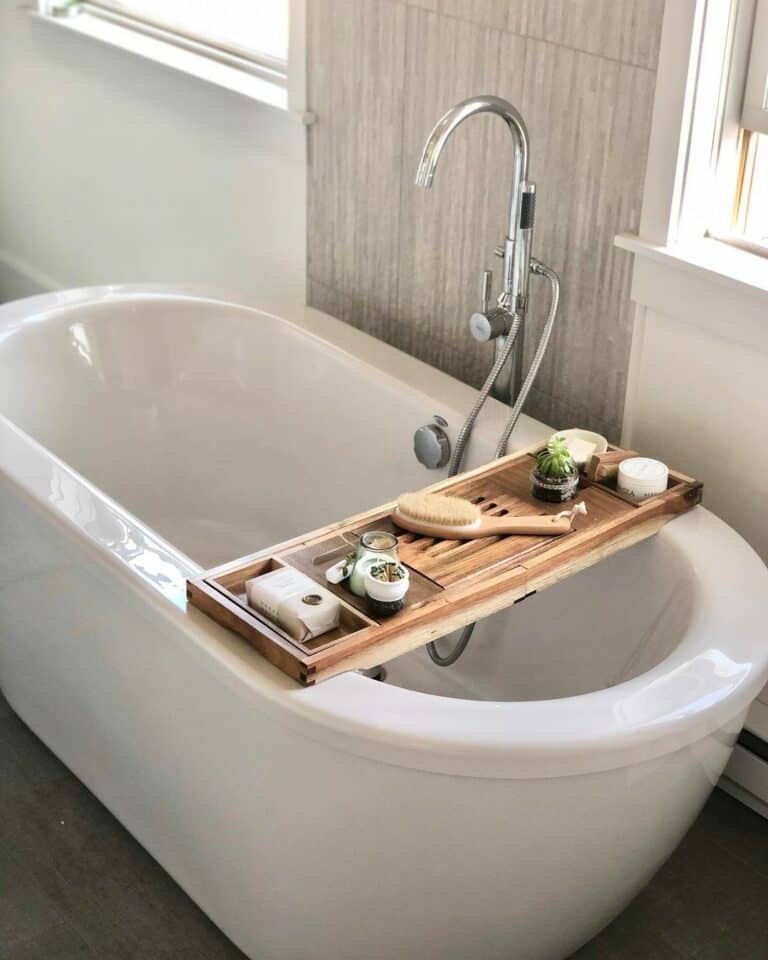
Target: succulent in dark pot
555, 478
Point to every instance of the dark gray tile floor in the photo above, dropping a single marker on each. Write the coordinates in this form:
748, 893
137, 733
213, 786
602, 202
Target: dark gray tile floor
75, 886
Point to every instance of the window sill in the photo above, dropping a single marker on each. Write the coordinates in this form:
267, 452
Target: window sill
708, 259
273, 94
709, 283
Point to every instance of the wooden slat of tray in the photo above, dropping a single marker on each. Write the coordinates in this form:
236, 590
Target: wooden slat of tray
454, 582
448, 562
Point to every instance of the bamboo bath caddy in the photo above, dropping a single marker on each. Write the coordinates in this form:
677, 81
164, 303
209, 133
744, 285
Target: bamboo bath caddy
453, 582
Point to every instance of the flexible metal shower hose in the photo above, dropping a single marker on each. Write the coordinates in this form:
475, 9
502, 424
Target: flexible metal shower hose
538, 357
458, 455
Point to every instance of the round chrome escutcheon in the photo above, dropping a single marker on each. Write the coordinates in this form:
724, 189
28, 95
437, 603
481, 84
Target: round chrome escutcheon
432, 446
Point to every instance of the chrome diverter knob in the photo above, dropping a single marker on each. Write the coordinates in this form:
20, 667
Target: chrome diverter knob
432, 446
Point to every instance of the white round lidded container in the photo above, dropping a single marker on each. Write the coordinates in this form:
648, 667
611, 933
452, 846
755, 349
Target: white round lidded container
384, 598
642, 477
386, 590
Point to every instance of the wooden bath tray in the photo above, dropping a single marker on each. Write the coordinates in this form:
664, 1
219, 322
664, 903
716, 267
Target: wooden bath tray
453, 583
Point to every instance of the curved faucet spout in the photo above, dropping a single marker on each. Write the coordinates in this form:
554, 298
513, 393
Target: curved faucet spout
456, 115
512, 300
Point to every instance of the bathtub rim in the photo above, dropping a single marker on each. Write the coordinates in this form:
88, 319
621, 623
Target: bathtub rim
329, 332
472, 738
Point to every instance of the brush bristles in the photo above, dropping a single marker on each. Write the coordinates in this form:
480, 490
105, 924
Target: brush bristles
442, 511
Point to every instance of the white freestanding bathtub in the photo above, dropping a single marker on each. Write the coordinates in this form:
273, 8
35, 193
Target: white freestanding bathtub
508, 807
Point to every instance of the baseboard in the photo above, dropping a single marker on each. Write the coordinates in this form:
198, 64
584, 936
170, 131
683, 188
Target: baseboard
746, 776
757, 718
18, 279
743, 796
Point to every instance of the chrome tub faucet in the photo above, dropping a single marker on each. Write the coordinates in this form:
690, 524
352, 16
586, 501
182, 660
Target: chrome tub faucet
496, 322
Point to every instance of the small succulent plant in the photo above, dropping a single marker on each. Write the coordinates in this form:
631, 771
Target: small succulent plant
388, 572
554, 462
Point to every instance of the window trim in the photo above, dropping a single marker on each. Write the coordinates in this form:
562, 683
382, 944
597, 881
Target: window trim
713, 163
242, 58
741, 205
668, 255
687, 127
755, 109
275, 83
731, 138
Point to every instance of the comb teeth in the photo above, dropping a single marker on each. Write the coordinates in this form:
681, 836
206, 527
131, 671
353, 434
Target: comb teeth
439, 510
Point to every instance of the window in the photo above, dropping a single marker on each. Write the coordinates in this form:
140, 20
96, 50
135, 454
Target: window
239, 44
743, 161
252, 28
750, 219
702, 243
751, 208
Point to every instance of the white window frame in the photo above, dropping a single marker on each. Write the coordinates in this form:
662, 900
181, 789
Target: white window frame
251, 61
693, 138
755, 109
277, 83
706, 169
737, 30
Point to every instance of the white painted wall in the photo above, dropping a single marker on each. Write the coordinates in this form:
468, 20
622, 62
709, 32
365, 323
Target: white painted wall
698, 393
115, 169
701, 403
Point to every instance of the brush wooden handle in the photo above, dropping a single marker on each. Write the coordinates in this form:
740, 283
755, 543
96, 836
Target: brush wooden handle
536, 526
533, 526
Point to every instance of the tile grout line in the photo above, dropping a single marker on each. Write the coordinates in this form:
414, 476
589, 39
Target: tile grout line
401, 165
527, 36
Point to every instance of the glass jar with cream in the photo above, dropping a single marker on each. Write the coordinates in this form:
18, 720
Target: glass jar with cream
374, 546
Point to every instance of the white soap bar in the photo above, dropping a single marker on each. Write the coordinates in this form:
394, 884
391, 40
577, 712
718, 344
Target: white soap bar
580, 450
582, 444
641, 477
294, 602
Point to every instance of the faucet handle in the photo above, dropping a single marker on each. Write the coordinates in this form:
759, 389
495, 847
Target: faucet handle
489, 325
485, 296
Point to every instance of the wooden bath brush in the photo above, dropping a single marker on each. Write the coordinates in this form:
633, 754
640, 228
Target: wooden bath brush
452, 518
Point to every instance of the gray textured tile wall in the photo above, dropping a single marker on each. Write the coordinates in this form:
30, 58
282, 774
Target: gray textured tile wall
403, 263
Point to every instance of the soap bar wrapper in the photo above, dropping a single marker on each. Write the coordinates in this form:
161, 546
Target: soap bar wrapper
294, 602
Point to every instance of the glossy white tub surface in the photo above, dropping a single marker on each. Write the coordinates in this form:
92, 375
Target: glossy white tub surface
509, 806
